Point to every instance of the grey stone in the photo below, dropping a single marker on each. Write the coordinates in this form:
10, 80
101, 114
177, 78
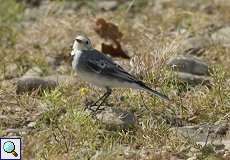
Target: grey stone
220, 152
160, 6
194, 45
222, 129
222, 3
117, 152
84, 152
57, 63
62, 69
62, 79
222, 37
193, 79
201, 5
33, 72
31, 124
11, 71
188, 5
205, 133
32, 14
131, 153
192, 158
31, 3
115, 118
185, 4
107, 5
189, 64
52, 61
226, 155
16, 131
71, 5
31, 84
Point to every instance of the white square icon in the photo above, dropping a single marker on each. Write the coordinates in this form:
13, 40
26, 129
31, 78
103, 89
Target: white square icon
10, 148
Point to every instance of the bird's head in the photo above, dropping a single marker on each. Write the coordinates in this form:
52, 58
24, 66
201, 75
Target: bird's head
81, 43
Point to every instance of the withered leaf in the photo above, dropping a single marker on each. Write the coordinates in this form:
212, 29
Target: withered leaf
114, 50
111, 33
107, 30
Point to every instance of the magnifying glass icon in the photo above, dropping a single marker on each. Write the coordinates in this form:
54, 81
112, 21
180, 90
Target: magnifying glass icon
9, 147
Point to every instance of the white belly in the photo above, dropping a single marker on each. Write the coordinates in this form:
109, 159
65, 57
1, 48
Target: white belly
104, 82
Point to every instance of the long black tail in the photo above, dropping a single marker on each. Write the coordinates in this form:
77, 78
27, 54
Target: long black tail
148, 89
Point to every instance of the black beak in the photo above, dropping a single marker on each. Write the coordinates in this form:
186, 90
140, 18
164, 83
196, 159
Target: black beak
78, 40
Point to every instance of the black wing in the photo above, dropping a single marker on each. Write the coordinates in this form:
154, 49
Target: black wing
103, 65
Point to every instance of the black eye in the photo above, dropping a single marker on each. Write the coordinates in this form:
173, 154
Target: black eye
87, 42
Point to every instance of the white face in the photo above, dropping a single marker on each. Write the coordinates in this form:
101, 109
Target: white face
81, 43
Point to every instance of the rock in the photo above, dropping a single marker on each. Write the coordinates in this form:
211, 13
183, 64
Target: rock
194, 45
84, 152
16, 131
98, 155
107, 5
52, 61
222, 3
62, 79
222, 37
33, 72
205, 134
160, 6
196, 5
30, 84
209, 8
190, 69
220, 152
31, 3
219, 147
31, 124
115, 118
193, 79
217, 142
189, 64
222, 129
196, 132
173, 120
62, 69
192, 158
188, 5
55, 61
71, 5
59, 63
226, 155
131, 153
117, 152
11, 71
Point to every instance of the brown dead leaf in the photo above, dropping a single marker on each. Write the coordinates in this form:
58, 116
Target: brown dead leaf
110, 32
114, 50
107, 30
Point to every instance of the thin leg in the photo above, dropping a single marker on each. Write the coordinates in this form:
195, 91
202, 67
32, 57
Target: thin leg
107, 94
102, 99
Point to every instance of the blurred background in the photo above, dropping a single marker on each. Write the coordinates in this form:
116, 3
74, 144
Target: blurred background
179, 47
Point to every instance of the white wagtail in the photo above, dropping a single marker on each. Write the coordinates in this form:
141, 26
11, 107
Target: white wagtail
99, 69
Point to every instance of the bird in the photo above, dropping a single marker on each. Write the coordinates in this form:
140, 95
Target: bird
100, 70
